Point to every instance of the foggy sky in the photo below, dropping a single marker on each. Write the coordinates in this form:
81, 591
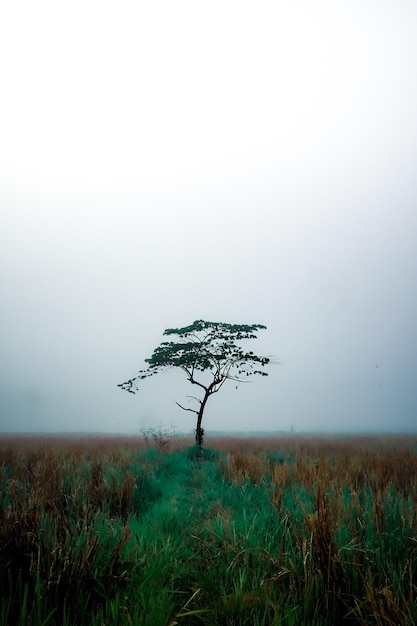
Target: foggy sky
162, 162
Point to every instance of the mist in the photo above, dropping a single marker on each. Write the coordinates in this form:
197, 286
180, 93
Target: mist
166, 162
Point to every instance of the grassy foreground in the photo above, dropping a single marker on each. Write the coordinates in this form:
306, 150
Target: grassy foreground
292, 531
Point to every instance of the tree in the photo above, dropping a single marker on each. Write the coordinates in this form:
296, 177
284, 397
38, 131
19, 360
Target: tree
204, 347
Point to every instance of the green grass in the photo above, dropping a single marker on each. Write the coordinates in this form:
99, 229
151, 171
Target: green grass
315, 533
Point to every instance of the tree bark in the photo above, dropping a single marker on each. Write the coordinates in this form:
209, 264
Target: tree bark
199, 431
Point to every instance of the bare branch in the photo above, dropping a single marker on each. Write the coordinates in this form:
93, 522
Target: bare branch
195, 398
195, 382
185, 408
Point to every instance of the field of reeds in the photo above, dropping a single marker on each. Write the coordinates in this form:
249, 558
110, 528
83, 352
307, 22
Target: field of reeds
106, 531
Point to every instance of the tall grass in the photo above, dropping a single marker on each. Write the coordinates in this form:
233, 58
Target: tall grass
287, 531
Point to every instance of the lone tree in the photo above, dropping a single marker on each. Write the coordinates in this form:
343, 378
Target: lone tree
204, 347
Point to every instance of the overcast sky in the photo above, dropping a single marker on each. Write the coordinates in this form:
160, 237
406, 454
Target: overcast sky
245, 162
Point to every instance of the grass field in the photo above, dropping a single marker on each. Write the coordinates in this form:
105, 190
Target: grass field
107, 531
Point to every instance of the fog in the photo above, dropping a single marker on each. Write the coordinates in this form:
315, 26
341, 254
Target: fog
162, 162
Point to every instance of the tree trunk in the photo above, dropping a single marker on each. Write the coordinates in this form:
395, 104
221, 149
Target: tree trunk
199, 431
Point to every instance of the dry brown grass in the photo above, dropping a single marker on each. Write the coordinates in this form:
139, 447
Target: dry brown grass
342, 508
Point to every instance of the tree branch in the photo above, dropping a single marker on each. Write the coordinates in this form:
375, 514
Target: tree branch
185, 409
195, 398
195, 382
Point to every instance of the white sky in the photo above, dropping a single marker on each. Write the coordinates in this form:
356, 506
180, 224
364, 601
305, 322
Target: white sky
162, 162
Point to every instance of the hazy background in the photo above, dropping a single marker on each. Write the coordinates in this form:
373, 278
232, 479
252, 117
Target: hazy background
247, 162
